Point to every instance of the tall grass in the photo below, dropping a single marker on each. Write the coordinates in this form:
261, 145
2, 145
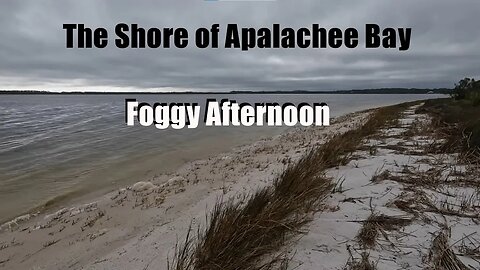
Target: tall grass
245, 234
458, 122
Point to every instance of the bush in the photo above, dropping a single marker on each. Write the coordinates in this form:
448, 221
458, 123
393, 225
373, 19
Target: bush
467, 88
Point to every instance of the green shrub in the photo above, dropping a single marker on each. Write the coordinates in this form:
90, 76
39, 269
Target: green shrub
466, 88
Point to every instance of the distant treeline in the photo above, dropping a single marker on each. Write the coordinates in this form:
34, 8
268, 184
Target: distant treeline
358, 91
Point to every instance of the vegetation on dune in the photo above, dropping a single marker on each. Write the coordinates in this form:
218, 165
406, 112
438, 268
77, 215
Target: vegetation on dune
457, 119
246, 234
467, 89
243, 234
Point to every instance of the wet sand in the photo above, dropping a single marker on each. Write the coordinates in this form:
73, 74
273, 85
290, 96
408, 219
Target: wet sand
139, 225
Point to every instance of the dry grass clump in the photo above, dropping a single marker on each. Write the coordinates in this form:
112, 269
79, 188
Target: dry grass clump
384, 175
244, 234
378, 224
418, 203
241, 233
446, 210
458, 124
367, 236
441, 174
441, 256
470, 247
432, 177
363, 263
412, 201
461, 204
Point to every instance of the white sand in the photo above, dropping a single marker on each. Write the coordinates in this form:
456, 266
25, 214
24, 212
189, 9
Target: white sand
138, 227
331, 239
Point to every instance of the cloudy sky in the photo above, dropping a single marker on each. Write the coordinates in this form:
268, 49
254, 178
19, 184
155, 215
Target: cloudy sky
444, 48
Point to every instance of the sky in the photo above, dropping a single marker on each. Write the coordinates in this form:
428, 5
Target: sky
444, 46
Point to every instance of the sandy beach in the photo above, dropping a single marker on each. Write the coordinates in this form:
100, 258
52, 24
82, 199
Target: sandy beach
396, 201
239, 135
139, 226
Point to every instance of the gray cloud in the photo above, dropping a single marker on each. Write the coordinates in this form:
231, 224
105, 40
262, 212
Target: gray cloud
444, 46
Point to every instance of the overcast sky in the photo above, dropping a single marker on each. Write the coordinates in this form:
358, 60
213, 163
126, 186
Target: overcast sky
444, 48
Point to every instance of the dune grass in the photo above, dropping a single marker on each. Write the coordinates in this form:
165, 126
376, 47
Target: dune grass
441, 255
245, 234
458, 122
377, 224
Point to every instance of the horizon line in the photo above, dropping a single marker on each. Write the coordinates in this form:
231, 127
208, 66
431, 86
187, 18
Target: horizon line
389, 90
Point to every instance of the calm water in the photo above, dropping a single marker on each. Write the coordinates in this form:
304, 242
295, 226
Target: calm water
65, 146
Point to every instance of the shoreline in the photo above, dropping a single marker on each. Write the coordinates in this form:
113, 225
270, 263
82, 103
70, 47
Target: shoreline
145, 173
88, 165
120, 215
386, 185
85, 194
